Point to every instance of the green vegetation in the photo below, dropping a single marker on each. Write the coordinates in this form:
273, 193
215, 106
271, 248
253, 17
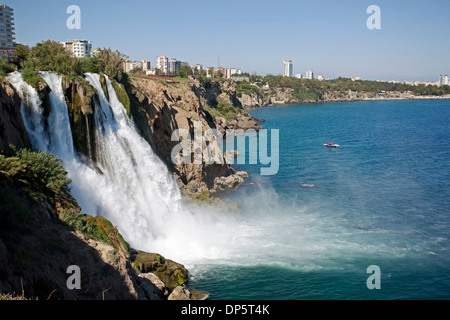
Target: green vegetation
51, 56
37, 170
6, 67
185, 70
42, 176
122, 95
170, 272
245, 87
31, 77
314, 89
96, 228
225, 110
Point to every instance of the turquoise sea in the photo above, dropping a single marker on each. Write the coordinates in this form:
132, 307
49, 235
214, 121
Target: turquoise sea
312, 230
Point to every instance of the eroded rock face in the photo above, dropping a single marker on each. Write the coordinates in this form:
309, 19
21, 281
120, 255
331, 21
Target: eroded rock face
153, 287
36, 250
159, 109
180, 293
12, 128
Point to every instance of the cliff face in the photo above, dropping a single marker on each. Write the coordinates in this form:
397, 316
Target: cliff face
12, 128
43, 232
159, 108
286, 95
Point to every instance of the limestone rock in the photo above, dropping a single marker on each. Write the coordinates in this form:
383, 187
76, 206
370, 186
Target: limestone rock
153, 287
180, 293
170, 272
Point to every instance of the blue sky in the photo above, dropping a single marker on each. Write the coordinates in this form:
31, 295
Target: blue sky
327, 36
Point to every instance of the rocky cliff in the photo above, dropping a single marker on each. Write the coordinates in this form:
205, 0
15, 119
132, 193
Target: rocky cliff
160, 108
43, 231
12, 128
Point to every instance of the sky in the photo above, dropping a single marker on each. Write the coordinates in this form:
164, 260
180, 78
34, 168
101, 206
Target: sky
329, 37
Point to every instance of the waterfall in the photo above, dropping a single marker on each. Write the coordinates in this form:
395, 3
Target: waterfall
32, 112
128, 184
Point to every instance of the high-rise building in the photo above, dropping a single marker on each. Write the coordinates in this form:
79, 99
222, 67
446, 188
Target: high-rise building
309, 74
162, 63
79, 48
7, 38
288, 68
7, 27
445, 81
174, 66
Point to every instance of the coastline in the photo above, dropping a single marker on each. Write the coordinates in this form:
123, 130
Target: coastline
409, 97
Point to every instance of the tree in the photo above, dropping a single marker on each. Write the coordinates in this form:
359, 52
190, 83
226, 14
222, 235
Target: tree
6, 67
111, 62
185, 70
22, 53
219, 73
52, 56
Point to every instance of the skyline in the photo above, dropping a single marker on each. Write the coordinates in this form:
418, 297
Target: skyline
330, 38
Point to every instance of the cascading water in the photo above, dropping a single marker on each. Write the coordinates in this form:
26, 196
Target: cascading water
32, 112
129, 185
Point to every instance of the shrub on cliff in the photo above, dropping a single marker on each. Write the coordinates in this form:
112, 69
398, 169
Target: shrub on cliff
6, 67
38, 170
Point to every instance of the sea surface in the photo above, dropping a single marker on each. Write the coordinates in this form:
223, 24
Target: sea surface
312, 230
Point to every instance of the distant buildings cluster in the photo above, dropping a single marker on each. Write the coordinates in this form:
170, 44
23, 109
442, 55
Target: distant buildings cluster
171, 67
288, 72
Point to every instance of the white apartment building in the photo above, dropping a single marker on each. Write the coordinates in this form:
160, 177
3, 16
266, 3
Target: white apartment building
288, 68
320, 77
6, 27
443, 80
299, 76
145, 65
309, 74
79, 48
162, 63
130, 65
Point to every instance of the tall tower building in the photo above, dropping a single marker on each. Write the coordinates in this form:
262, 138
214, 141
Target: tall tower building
288, 68
7, 27
309, 74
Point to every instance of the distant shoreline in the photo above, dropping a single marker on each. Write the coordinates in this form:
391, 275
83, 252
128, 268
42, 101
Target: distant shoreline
444, 97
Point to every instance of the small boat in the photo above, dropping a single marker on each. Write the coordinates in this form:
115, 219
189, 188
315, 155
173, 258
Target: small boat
331, 145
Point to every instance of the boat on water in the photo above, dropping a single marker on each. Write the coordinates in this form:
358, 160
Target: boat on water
331, 145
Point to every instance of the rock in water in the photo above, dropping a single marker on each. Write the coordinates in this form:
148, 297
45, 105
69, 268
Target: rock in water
180, 293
